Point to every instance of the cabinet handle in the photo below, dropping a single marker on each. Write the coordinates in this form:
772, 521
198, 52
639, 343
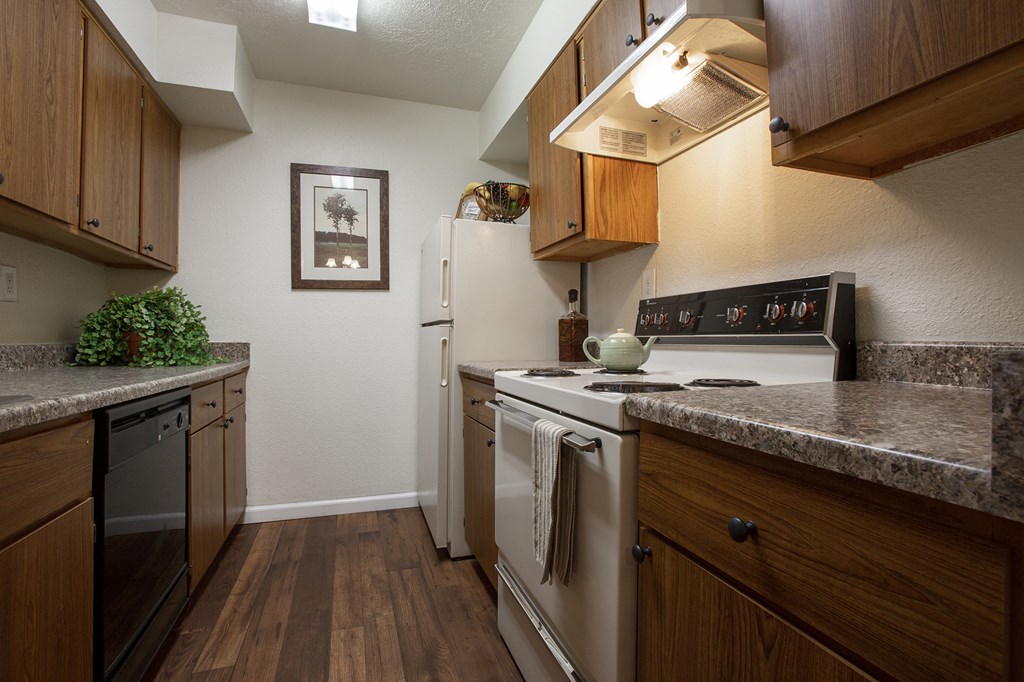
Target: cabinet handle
571, 224
147, 247
212, 403
1, 178
741, 530
95, 222
653, 20
237, 390
230, 420
778, 125
490, 442
631, 40
474, 401
641, 553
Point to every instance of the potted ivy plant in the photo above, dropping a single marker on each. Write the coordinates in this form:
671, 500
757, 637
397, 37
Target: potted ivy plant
157, 328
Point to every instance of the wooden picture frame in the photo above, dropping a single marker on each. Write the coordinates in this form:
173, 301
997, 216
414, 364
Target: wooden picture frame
339, 227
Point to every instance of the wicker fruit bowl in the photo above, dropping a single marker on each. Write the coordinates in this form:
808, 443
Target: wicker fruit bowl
503, 202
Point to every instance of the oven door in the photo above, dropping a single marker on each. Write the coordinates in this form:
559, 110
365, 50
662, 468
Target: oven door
591, 622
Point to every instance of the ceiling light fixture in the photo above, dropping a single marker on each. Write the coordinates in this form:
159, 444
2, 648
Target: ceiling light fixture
334, 13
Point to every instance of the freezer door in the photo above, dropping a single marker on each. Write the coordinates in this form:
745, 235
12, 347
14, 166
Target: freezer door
435, 373
436, 273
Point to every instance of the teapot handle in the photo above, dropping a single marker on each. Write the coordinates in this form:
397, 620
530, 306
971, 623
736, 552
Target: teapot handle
586, 342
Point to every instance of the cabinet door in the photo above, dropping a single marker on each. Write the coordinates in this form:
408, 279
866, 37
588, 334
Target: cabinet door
159, 201
478, 451
234, 467
40, 104
830, 58
555, 190
111, 143
46, 619
205, 499
658, 10
692, 626
614, 30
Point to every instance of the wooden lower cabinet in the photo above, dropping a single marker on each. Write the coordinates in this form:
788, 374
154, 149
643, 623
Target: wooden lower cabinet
478, 473
46, 606
693, 626
46, 551
834, 573
217, 478
478, 451
234, 468
206, 499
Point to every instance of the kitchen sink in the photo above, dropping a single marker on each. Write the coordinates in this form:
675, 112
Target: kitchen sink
7, 399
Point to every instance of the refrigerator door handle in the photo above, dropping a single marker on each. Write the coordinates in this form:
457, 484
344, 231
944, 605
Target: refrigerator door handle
444, 361
444, 282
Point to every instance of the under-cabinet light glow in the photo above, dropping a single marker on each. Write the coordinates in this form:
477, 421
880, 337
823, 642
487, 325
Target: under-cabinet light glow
334, 13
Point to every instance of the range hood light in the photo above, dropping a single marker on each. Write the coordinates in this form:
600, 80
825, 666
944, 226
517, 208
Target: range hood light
334, 13
659, 78
651, 107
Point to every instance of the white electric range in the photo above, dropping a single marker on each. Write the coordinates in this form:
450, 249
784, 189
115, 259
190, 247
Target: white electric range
795, 331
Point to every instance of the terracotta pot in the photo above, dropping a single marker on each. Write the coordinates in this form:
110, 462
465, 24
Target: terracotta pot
133, 339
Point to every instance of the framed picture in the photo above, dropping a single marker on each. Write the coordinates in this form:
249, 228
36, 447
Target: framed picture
339, 227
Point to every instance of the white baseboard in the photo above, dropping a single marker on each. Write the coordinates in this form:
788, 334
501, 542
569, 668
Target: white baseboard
307, 510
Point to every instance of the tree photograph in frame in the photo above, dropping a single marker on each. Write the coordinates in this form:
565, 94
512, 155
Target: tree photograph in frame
339, 227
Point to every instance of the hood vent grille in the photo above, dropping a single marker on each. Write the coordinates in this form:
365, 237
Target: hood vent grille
711, 95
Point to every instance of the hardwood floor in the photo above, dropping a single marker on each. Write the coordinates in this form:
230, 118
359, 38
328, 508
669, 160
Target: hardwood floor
341, 598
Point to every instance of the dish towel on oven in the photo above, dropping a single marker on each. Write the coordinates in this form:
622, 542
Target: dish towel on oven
554, 500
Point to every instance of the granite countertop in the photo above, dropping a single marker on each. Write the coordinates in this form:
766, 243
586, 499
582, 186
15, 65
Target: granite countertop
935, 441
56, 392
486, 369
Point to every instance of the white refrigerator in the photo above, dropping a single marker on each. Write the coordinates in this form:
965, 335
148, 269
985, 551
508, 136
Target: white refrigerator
482, 297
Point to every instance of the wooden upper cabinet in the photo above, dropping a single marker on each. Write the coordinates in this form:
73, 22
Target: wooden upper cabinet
160, 169
111, 143
612, 32
40, 104
582, 207
868, 87
556, 210
656, 11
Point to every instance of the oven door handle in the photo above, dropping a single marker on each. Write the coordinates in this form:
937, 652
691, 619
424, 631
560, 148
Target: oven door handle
528, 420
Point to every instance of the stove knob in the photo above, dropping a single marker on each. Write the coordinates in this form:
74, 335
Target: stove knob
803, 310
686, 318
734, 315
660, 319
647, 319
774, 312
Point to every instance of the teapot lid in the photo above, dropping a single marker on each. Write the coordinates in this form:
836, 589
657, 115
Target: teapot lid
621, 334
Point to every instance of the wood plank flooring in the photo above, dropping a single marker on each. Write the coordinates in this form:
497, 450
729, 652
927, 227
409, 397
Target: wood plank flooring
340, 599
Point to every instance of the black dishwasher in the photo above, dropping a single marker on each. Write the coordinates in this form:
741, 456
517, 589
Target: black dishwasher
139, 484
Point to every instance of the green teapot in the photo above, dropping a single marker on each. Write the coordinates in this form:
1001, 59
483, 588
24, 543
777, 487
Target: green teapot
620, 351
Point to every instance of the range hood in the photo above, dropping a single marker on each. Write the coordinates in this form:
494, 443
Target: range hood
703, 70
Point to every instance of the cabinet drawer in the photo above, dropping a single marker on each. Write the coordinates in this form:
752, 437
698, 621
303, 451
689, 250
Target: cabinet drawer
43, 474
234, 391
474, 395
918, 600
207, 404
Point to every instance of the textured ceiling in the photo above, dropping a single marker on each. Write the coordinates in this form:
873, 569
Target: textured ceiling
445, 52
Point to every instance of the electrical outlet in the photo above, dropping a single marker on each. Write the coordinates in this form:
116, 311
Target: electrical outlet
647, 289
8, 283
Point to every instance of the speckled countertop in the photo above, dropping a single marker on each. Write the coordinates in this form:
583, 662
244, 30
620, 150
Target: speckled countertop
935, 441
486, 369
55, 392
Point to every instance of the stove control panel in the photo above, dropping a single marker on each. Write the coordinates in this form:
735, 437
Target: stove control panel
803, 311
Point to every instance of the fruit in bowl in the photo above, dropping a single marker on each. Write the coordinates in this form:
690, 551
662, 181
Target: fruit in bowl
503, 201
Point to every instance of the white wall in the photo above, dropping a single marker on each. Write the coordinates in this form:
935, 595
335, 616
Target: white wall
332, 387
55, 290
938, 249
